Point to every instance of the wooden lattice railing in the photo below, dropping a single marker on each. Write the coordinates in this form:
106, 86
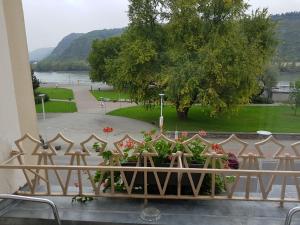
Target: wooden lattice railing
177, 181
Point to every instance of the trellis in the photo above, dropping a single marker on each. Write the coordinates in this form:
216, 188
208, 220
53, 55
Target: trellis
38, 174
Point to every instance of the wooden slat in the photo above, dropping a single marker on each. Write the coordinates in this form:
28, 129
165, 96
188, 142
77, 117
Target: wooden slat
283, 187
47, 175
69, 175
213, 177
79, 174
36, 178
56, 173
292, 164
89, 173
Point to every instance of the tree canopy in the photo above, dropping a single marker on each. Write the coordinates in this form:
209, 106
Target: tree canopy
198, 51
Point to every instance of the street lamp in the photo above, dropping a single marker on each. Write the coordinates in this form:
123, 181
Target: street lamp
43, 105
161, 119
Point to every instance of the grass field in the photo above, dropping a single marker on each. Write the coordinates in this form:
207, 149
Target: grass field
57, 107
109, 94
248, 119
57, 93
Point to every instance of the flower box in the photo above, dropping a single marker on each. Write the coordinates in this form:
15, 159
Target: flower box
172, 185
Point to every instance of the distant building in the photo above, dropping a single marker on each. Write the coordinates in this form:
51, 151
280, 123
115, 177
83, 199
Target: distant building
282, 91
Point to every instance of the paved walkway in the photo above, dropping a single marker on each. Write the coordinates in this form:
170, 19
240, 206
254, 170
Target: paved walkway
86, 103
79, 126
89, 119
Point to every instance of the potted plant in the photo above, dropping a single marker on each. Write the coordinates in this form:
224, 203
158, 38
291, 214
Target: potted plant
164, 154
96, 146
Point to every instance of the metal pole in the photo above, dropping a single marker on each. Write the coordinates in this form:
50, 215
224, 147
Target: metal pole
43, 106
161, 105
161, 119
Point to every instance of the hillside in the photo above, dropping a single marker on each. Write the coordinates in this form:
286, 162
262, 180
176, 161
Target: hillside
39, 54
289, 36
72, 51
63, 45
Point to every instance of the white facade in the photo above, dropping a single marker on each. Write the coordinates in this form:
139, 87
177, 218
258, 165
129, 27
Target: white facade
17, 110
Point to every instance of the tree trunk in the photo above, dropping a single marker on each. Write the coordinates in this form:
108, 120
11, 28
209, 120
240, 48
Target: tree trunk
183, 114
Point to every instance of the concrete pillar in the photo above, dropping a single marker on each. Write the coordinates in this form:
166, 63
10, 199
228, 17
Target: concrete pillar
17, 109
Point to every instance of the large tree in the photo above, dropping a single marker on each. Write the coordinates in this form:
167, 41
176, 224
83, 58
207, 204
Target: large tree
102, 52
198, 51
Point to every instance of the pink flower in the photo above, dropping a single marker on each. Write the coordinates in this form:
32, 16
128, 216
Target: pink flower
129, 144
202, 133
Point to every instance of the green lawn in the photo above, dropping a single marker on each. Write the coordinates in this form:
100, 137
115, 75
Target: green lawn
110, 94
248, 119
57, 107
57, 93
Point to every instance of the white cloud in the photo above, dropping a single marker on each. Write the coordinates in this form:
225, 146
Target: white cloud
276, 6
48, 21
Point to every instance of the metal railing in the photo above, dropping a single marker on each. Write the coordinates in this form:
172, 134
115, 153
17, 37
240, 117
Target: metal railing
290, 215
32, 199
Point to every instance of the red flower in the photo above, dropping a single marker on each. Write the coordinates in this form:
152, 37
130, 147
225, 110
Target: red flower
218, 148
202, 133
129, 144
107, 129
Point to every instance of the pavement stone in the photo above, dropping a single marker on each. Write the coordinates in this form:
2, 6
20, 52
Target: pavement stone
177, 212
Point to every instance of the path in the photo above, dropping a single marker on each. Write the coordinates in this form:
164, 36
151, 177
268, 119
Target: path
89, 119
86, 103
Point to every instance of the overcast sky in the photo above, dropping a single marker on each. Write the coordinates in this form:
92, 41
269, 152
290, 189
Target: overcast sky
48, 21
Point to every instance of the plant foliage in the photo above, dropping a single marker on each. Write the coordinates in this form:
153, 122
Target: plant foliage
200, 51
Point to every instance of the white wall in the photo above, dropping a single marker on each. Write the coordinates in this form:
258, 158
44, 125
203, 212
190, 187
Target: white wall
17, 112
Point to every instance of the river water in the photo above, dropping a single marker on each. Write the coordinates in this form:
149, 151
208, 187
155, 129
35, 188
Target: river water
82, 78
64, 77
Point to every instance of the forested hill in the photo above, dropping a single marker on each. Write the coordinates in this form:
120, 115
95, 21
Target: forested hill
72, 51
39, 54
289, 36
63, 45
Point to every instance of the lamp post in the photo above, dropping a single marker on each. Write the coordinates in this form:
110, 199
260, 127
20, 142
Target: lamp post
43, 105
161, 119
